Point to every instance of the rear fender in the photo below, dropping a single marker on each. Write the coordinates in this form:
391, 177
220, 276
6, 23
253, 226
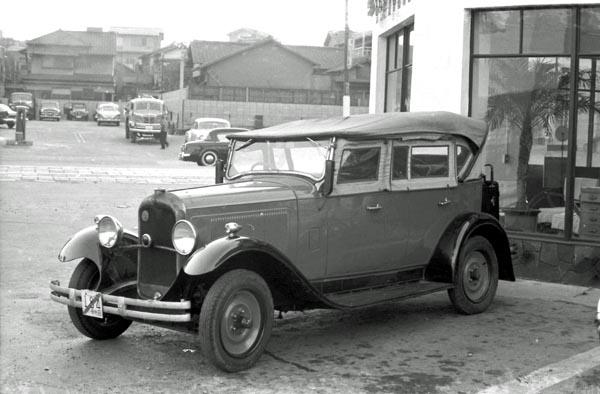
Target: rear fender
84, 244
445, 257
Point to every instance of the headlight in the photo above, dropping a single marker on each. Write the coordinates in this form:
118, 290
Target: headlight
110, 231
184, 237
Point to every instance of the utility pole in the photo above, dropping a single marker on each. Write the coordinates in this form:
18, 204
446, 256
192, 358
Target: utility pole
346, 99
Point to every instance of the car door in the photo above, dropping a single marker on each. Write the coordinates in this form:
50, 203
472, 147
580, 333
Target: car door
356, 211
426, 195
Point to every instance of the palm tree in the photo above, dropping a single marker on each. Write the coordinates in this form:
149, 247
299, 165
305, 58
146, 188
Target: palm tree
529, 94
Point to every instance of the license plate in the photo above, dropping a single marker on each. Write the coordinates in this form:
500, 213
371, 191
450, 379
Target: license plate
148, 127
91, 303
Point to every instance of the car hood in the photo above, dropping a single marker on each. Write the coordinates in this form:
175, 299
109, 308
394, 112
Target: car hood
238, 193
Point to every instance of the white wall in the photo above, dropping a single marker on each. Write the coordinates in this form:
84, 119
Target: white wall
441, 51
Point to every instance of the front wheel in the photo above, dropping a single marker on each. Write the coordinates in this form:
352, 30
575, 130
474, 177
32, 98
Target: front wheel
476, 277
236, 320
86, 276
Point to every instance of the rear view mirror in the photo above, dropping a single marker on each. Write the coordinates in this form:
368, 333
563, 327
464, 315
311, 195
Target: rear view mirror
328, 181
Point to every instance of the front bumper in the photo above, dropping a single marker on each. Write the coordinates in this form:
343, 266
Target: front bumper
177, 312
49, 116
145, 128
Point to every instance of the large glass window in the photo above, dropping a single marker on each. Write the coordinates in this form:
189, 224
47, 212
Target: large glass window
521, 85
359, 165
399, 70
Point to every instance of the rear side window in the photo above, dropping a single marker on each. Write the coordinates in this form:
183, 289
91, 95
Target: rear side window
429, 162
400, 162
359, 165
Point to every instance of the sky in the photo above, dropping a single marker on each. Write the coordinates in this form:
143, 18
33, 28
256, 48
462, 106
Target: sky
292, 22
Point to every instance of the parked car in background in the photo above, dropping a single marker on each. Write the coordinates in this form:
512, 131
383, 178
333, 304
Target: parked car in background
78, 111
343, 213
144, 117
8, 116
202, 126
108, 113
207, 151
25, 99
50, 110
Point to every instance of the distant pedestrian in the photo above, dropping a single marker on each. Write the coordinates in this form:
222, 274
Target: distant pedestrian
163, 133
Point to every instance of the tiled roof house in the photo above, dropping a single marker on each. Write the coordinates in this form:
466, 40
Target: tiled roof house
303, 71
71, 64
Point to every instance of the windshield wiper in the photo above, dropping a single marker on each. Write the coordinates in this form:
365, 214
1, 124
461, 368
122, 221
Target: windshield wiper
245, 144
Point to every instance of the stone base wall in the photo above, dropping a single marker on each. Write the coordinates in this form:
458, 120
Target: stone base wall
549, 261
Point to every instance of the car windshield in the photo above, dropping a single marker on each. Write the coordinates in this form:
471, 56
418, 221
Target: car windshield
207, 125
148, 106
305, 157
108, 107
51, 104
21, 96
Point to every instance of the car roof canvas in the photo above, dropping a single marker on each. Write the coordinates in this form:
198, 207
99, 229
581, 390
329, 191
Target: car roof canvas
366, 126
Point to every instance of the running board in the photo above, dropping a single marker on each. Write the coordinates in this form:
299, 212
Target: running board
368, 297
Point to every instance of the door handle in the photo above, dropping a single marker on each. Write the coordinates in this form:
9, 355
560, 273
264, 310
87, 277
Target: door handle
375, 208
445, 201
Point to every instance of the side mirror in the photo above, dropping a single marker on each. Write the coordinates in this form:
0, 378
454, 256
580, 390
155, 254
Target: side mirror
328, 181
219, 172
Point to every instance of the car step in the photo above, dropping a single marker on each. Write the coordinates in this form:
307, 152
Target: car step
367, 297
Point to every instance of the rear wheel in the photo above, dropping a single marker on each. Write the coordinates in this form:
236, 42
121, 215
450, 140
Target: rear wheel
475, 277
208, 158
86, 276
236, 320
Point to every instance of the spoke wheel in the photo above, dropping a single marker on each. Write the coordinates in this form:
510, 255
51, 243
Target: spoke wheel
86, 276
475, 277
236, 320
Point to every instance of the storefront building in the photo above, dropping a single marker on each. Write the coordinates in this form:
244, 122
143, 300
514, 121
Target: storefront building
511, 63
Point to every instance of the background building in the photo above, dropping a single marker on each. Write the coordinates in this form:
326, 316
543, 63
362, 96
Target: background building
133, 42
513, 64
75, 65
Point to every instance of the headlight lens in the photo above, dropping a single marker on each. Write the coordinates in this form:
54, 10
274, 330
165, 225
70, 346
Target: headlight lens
184, 237
110, 231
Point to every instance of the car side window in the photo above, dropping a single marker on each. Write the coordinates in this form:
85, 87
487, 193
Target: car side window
359, 165
429, 162
400, 162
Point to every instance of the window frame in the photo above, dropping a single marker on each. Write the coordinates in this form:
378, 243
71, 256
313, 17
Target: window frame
379, 184
411, 183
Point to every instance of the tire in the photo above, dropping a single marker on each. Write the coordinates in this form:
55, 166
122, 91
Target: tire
10, 125
208, 158
475, 277
86, 276
236, 320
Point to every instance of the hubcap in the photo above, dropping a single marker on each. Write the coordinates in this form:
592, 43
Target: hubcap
476, 277
241, 323
209, 159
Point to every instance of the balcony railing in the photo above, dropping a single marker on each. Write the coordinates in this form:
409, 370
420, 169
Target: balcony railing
383, 8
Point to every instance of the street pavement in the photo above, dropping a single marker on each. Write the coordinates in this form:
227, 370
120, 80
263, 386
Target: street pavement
71, 174
535, 338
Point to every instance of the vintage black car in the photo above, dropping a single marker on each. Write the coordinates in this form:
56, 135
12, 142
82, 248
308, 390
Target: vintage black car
78, 111
207, 151
339, 213
24, 99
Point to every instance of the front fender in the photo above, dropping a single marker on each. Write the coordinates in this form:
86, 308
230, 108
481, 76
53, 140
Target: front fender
84, 244
211, 256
